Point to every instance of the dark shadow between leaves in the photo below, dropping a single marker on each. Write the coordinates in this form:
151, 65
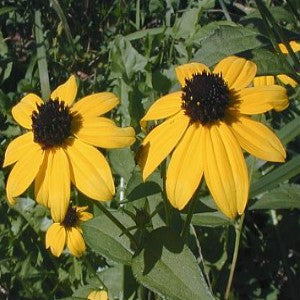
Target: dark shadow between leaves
163, 237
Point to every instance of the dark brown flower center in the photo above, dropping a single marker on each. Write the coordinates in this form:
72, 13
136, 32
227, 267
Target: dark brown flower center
51, 123
205, 98
71, 218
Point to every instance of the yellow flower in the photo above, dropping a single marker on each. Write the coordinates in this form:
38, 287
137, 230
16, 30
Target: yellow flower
269, 80
58, 147
98, 295
68, 232
207, 125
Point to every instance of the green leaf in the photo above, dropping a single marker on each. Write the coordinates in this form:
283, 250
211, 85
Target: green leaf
225, 40
210, 219
280, 174
6, 9
106, 238
125, 60
269, 63
167, 266
5, 64
290, 131
122, 162
286, 196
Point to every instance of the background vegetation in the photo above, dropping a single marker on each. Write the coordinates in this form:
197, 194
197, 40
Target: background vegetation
131, 48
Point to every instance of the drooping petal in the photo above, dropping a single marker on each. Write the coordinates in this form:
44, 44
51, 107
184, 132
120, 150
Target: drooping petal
96, 104
58, 183
263, 80
287, 80
24, 172
257, 100
236, 71
105, 134
82, 214
294, 45
185, 169
164, 107
90, 171
23, 110
258, 140
75, 242
17, 148
187, 71
160, 142
225, 169
56, 239
66, 92
41, 183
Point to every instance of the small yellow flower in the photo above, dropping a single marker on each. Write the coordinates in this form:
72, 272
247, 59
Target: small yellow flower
98, 295
269, 80
58, 147
207, 126
68, 232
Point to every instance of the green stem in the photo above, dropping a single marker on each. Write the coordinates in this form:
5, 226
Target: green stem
265, 12
188, 219
225, 11
238, 231
117, 223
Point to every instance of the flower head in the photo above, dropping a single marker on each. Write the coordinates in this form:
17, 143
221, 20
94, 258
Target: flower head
68, 232
98, 295
207, 125
269, 80
58, 147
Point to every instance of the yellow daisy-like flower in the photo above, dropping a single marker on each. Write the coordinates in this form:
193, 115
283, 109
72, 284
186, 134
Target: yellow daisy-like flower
269, 80
98, 295
68, 232
58, 147
207, 125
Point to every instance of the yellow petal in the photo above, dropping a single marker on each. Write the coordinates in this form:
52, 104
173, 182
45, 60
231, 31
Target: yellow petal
75, 242
263, 80
41, 183
96, 104
258, 140
187, 71
257, 100
17, 148
90, 171
84, 216
23, 110
58, 184
160, 142
185, 169
105, 135
164, 107
294, 45
98, 295
24, 172
287, 80
236, 71
56, 239
225, 170
66, 92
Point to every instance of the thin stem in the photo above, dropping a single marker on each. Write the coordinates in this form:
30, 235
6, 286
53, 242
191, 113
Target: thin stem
225, 11
117, 223
293, 9
238, 231
188, 219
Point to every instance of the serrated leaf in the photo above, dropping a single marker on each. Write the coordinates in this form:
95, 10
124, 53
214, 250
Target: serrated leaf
284, 197
210, 219
226, 40
106, 238
167, 266
280, 174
